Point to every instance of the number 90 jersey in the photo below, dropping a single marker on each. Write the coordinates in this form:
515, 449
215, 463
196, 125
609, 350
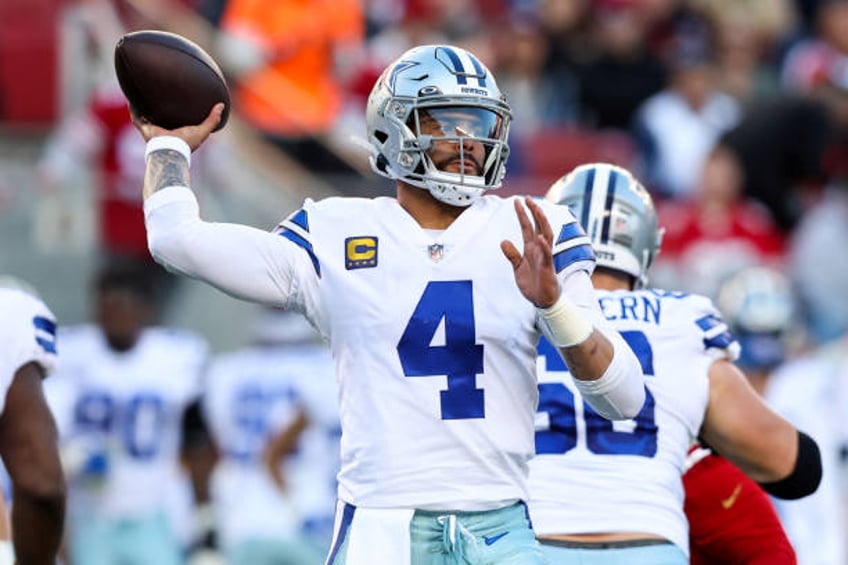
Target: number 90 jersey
433, 343
28, 334
120, 413
591, 475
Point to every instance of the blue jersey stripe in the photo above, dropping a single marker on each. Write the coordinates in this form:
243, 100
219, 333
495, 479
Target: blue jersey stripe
721, 341
300, 219
708, 322
570, 231
579, 253
45, 334
295, 238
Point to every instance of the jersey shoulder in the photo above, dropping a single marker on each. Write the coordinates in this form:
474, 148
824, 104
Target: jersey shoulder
696, 316
28, 331
571, 247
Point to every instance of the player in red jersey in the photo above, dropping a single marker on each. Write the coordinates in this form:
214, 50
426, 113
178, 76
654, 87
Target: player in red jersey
731, 519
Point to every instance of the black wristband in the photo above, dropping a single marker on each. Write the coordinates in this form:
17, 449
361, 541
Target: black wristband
805, 477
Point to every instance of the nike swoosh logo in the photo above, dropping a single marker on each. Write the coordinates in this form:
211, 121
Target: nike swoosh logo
493, 539
731, 500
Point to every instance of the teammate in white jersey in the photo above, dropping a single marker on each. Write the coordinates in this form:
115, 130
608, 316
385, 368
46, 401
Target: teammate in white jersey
611, 492
282, 385
119, 396
28, 436
433, 303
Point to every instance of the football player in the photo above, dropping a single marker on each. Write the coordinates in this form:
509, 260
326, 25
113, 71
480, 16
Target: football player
432, 301
272, 410
119, 397
611, 492
28, 436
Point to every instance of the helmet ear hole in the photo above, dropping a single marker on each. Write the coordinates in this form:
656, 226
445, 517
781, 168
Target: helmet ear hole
382, 163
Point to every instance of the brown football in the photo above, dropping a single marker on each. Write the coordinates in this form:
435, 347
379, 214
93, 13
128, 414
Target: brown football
169, 80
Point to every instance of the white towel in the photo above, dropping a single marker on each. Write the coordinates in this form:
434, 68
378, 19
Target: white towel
380, 535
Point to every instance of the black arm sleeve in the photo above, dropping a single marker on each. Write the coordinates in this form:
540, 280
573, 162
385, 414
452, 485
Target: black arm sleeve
805, 477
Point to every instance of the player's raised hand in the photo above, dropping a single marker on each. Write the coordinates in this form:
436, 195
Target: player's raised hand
534, 269
193, 135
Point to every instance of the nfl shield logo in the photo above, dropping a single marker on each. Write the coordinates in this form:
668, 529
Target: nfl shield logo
437, 252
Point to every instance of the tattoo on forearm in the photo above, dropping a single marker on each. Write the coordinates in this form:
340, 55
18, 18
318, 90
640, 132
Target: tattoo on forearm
165, 168
582, 360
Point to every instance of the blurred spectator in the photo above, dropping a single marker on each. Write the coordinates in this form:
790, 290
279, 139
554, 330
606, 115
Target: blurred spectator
272, 411
781, 142
620, 72
716, 230
287, 60
99, 137
678, 126
816, 243
119, 396
539, 97
748, 36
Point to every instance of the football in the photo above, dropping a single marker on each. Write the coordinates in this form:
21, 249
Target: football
169, 80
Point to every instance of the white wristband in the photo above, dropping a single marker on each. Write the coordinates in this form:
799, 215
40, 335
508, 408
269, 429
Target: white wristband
162, 142
566, 325
7, 552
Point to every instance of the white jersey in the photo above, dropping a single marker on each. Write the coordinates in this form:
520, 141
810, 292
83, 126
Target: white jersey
28, 334
591, 475
123, 412
251, 395
809, 392
433, 342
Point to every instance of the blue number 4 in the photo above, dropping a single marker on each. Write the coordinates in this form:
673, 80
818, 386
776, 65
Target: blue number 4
460, 358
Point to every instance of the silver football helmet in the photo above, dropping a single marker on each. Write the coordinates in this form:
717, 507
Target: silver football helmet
617, 214
757, 300
450, 95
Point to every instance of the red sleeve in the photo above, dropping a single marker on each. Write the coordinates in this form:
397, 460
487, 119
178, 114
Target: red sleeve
731, 519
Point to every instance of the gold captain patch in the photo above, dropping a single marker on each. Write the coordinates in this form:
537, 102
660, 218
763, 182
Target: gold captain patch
360, 252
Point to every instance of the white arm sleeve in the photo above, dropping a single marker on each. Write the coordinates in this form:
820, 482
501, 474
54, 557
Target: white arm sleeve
620, 392
242, 261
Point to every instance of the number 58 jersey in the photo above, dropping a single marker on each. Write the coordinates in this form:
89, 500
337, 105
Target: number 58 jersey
591, 475
433, 343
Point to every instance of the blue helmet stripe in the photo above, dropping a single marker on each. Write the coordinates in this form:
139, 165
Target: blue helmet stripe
610, 199
587, 199
478, 68
458, 68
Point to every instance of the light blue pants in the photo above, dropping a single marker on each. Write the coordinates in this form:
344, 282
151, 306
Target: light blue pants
140, 541
493, 537
660, 554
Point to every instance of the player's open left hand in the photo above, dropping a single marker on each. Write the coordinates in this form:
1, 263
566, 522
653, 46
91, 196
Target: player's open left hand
534, 270
193, 135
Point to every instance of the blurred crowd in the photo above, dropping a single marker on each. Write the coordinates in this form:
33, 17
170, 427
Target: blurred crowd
733, 113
